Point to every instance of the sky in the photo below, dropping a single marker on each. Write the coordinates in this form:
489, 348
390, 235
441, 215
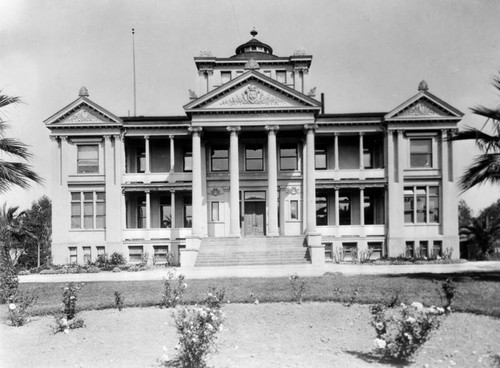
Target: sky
368, 56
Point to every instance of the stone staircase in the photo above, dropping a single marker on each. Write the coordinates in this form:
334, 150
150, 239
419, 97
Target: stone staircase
252, 251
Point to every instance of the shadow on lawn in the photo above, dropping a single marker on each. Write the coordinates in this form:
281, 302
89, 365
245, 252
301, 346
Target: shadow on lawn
371, 357
459, 276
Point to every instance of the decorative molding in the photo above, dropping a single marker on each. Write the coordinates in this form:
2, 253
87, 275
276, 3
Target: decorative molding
233, 129
272, 128
195, 130
420, 109
299, 52
83, 116
252, 64
292, 191
84, 92
252, 96
216, 192
192, 94
309, 127
206, 53
54, 138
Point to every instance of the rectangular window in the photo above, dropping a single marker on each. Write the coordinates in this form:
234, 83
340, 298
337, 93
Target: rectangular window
421, 204
188, 212
321, 210
225, 77
141, 212
410, 249
87, 255
328, 251
220, 159
320, 158
93, 215
294, 210
424, 249
73, 256
161, 254
288, 157
100, 250
350, 251
215, 214
188, 161
420, 153
88, 159
165, 212
367, 158
437, 248
376, 249
344, 208
135, 254
254, 158
141, 161
281, 76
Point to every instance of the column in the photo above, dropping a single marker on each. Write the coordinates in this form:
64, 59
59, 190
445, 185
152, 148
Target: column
361, 152
336, 151
146, 141
148, 209
272, 171
172, 154
362, 206
234, 192
337, 211
196, 195
310, 179
172, 210
124, 212
56, 178
401, 158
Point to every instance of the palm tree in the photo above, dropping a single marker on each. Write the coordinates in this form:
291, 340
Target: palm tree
14, 173
486, 166
13, 232
481, 237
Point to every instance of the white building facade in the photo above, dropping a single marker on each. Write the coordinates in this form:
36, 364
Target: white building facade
255, 156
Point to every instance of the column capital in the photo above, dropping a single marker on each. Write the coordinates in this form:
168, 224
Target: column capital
54, 138
147, 191
146, 137
195, 130
171, 136
107, 136
233, 129
172, 190
310, 127
361, 134
400, 131
272, 128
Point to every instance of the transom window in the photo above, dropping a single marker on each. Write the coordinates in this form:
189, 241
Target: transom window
88, 159
420, 152
288, 157
88, 210
220, 158
421, 204
254, 158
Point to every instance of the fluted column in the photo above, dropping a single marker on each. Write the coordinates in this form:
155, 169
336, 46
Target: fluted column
272, 172
310, 179
196, 195
234, 178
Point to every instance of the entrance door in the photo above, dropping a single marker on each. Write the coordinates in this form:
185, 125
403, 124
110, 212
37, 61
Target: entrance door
254, 218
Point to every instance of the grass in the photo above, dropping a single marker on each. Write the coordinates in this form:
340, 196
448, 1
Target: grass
477, 293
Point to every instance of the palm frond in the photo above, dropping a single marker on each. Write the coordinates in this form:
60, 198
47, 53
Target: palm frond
484, 141
485, 168
487, 112
8, 100
17, 174
15, 147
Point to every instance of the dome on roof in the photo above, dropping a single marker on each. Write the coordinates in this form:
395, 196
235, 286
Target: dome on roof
254, 46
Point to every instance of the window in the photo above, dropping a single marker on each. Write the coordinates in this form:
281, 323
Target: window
281, 76
141, 161
165, 212
215, 213
288, 157
220, 159
88, 159
225, 77
426, 209
424, 249
141, 212
421, 152
376, 250
344, 208
87, 255
88, 210
254, 158
188, 212
188, 161
350, 251
437, 248
100, 251
328, 251
294, 210
73, 256
321, 210
320, 158
161, 254
367, 158
410, 249
135, 254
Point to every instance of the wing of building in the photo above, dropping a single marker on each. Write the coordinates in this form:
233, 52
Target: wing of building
255, 172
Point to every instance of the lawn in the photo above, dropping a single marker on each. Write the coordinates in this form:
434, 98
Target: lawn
477, 293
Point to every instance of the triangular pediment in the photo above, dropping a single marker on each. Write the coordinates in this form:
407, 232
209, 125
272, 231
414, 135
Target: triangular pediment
83, 112
253, 91
424, 106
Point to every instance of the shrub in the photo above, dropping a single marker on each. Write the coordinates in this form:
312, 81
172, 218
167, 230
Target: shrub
215, 298
197, 328
449, 293
117, 259
9, 282
67, 320
93, 270
297, 287
17, 308
102, 261
116, 269
172, 295
402, 331
24, 273
119, 300
365, 255
144, 259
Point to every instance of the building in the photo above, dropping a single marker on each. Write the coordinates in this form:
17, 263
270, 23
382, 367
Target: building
255, 156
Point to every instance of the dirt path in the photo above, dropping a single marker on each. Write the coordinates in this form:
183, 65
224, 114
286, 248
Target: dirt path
264, 335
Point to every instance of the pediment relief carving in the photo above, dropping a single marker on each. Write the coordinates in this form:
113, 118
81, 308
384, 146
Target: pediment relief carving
84, 115
422, 108
251, 95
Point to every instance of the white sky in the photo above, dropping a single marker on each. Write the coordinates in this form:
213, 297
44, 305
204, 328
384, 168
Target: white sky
367, 56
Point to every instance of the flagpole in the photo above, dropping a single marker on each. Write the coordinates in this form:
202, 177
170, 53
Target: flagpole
133, 60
